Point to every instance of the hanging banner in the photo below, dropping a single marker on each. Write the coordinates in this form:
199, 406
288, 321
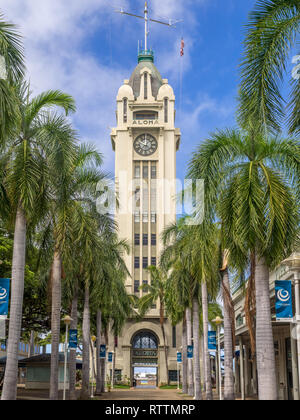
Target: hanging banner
102, 351
283, 304
4, 297
190, 352
179, 357
212, 341
73, 339
110, 357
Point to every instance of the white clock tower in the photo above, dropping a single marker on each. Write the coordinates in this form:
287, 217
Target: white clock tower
145, 142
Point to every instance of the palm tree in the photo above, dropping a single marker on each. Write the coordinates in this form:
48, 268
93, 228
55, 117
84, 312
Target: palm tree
12, 69
109, 299
196, 247
229, 331
156, 291
250, 179
25, 185
271, 35
73, 181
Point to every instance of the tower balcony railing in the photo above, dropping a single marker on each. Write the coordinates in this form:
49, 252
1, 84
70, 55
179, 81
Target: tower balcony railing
146, 55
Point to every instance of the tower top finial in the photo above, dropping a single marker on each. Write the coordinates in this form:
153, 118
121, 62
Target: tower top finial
171, 23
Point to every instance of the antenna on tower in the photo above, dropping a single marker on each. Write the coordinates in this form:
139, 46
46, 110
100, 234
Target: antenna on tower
171, 23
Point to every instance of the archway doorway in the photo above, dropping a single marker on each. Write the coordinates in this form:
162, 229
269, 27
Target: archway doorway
144, 359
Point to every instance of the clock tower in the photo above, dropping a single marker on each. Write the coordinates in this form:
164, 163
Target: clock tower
145, 142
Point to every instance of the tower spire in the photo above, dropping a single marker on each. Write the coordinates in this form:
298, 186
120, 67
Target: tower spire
146, 18
146, 26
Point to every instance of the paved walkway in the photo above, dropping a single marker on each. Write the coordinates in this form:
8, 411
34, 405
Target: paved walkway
144, 394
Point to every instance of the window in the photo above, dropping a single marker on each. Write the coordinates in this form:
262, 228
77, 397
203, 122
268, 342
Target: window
137, 217
145, 239
145, 283
125, 107
173, 375
239, 321
137, 171
137, 197
174, 337
166, 109
136, 286
145, 172
145, 217
153, 239
153, 171
145, 86
136, 262
136, 239
153, 217
145, 115
145, 340
153, 306
153, 261
145, 262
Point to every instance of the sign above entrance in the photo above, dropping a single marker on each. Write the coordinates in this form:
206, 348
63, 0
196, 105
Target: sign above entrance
145, 122
144, 353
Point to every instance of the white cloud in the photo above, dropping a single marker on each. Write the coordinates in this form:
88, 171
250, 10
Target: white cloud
54, 31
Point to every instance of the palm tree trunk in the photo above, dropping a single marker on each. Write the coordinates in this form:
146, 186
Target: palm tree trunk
162, 319
189, 343
72, 357
202, 362
98, 360
16, 307
86, 345
196, 335
228, 345
55, 324
208, 386
266, 370
31, 344
184, 358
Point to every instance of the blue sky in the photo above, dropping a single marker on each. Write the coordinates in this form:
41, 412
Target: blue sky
86, 49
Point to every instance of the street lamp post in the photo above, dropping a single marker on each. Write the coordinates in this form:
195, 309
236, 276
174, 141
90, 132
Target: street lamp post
93, 338
67, 321
293, 263
218, 321
112, 370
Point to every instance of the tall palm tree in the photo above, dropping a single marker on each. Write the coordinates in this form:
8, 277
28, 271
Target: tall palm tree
272, 33
73, 181
12, 70
251, 178
156, 291
25, 185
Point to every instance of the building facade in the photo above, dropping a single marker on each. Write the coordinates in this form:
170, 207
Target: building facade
145, 142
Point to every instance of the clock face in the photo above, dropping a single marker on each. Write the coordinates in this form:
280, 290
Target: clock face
145, 145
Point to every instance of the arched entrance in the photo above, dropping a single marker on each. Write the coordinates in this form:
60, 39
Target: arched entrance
144, 359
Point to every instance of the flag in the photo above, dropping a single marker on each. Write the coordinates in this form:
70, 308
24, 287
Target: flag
182, 48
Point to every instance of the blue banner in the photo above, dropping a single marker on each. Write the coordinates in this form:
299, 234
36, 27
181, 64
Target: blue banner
102, 351
4, 296
212, 340
190, 352
283, 304
110, 357
73, 339
179, 357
